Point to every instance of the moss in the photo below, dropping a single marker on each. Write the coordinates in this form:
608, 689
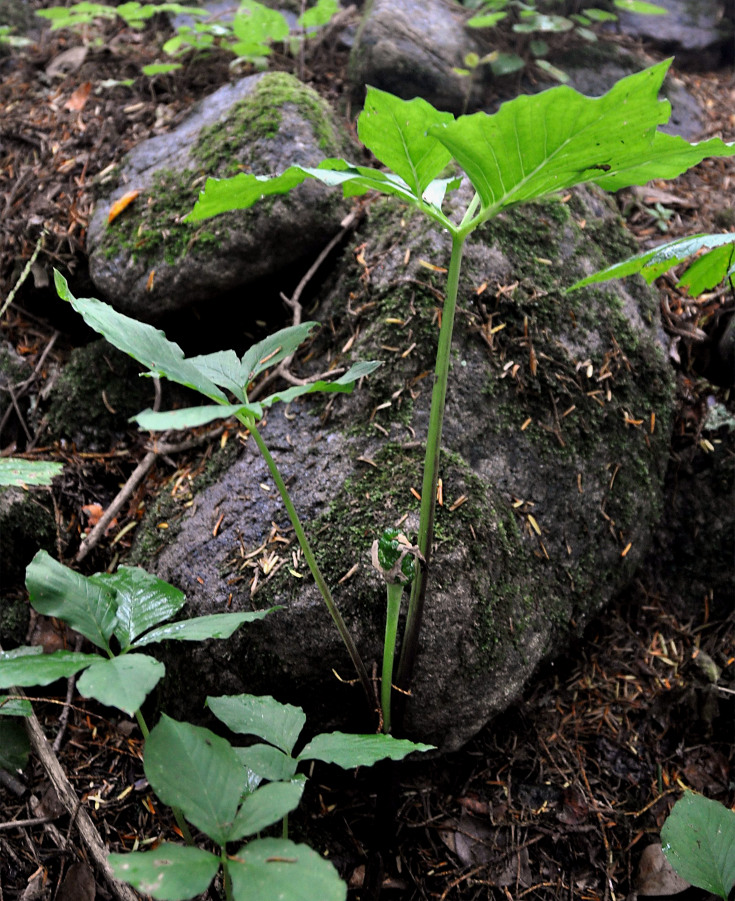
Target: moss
258, 117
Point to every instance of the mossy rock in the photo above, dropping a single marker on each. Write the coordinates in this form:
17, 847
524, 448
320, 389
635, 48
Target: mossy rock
556, 442
147, 261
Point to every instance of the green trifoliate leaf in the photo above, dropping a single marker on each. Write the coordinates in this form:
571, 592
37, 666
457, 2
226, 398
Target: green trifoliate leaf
698, 840
191, 417
143, 601
30, 666
10, 706
192, 768
19, 473
143, 342
266, 806
536, 145
350, 751
260, 715
14, 745
652, 263
87, 606
276, 868
170, 873
123, 682
267, 762
222, 368
395, 131
200, 628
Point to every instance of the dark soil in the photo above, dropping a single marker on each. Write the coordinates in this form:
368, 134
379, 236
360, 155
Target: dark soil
558, 797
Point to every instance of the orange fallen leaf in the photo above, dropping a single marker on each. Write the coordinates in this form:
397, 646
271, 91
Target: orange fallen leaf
94, 512
79, 98
122, 203
149, 282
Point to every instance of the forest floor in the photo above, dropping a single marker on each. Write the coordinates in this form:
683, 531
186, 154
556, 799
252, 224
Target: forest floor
559, 796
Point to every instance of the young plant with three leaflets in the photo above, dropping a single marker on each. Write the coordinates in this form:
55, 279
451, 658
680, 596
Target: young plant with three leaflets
218, 788
219, 377
534, 146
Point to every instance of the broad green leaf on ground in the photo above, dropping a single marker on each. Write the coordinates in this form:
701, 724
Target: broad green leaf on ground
192, 768
87, 606
257, 27
14, 745
10, 706
143, 342
266, 806
652, 263
260, 715
268, 762
276, 868
698, 839
319, 14
641, 7
344, 383
271, 350
199, 628
350, 751
143, 601
19, 473
123, 682
30, 666
396, 132
170, 873
191, 417
536, 145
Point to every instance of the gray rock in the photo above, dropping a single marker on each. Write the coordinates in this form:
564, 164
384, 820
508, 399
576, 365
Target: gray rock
697, 31
147, 262
411, 49
556, 438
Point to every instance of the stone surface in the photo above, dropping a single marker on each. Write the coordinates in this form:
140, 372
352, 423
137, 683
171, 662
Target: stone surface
147, 262
411, 49
696, 31
556, 439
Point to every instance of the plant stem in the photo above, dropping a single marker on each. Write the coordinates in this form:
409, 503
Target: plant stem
395, 593
409, 646
313, 565
178, 815
226, 874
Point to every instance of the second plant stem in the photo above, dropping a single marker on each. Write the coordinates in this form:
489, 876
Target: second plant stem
409, 648
312, 563
395, 593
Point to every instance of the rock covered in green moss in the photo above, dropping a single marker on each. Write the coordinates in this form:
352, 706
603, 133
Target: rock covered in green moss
556, 443
148, 262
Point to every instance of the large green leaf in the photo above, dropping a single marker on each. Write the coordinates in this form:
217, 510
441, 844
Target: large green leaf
698, 839
652, 263
192, 417
170, 873
199, 628
264, 716
396, 132
349, 751
265, 806
30, 666
222, 368
87, 606
197, 771
143, 601
272, 868
267, 762
271, 350
123, 682
535, 145
14, 745
19, 473
143, 342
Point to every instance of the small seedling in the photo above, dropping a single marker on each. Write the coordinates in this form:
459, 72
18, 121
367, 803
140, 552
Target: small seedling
219, 788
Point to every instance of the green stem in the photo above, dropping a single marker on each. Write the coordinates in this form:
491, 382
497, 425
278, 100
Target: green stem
176, 811
226, 874
312, 564
409, 648
395, 593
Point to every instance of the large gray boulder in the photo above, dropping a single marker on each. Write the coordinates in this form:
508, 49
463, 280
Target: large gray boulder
558, 419
147, 262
